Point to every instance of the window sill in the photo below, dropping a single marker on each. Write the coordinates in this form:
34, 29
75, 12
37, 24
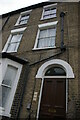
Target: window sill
9, 51
3, 113
48, 18
44, 48
20, 24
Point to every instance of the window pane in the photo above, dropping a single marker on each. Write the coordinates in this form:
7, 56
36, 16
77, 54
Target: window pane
40, 44
11, 47
47, 33
17, 45
47, 38
16, 38
10, 75
52, 15
43, 33
7, 83
43, 43
53, 11
45, 17
55, 71
49, 13
51, 32
5, 94
51, 42
46, 12
14, 43
24, 19
46, 42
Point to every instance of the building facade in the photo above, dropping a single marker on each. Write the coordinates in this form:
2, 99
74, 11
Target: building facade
40, 62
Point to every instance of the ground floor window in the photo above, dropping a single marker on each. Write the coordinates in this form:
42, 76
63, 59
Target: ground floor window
9, 73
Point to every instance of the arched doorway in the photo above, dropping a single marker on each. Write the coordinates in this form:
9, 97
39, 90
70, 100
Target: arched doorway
53, 96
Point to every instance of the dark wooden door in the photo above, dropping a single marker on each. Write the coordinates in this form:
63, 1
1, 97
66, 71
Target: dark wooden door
53, 100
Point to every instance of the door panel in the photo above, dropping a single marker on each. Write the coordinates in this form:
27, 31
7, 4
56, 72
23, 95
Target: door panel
53, 100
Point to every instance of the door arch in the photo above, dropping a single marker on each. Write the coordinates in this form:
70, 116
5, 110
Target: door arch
59, 62
44, 71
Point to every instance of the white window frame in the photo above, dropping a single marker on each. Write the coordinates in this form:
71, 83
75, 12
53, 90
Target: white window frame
4, 63
15, 31
46, 7
40, 27
21, 14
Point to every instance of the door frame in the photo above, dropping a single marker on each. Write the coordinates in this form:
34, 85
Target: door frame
42, 90
41, 72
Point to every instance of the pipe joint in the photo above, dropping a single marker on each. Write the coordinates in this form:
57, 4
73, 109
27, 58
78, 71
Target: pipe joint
62, 14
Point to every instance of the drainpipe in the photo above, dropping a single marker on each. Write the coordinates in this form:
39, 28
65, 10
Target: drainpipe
62, 14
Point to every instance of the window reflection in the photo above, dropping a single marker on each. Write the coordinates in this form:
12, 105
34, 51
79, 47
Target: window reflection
55, 71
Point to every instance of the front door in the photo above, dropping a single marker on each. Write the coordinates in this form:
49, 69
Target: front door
53, 100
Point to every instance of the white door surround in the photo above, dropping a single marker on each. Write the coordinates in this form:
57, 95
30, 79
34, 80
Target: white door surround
66, 66
41, 74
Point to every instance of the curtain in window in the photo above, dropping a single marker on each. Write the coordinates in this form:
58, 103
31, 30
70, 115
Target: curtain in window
47, 38
14, 42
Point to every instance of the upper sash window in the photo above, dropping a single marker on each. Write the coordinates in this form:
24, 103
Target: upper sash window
23, 18
49, 11
14, 40
46, 36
